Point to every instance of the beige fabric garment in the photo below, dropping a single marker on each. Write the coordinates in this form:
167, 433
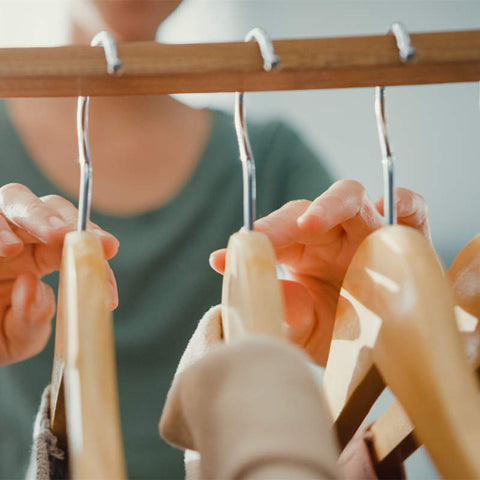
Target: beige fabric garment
207, 334
201, 414
252, 408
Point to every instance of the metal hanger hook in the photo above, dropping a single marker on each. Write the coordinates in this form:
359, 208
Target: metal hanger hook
407, 52
270, 60
114, 64
404, 43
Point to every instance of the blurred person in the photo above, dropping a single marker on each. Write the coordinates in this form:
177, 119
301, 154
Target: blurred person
167, 188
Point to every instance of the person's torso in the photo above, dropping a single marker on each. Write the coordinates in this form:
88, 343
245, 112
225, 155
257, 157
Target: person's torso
165, 285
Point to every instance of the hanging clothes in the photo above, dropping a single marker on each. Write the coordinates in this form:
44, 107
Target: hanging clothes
230, 403
47, 459
233, 406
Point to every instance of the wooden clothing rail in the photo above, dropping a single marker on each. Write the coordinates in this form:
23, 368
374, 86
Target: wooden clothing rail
151, 68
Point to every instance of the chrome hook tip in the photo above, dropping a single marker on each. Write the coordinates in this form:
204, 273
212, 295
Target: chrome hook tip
105, 40
404, 44
274, 62
270, 59
112, 69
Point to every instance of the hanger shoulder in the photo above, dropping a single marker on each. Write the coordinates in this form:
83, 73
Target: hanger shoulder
351, 383
464, 273
393, 433
397, 278
91, 397
419, 351
251, 298
383, 266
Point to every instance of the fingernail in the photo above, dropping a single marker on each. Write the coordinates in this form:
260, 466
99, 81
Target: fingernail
38, 301
102, 233
113, 294
313, 212
105, 234
9, 238
39, 295
309, 220
210, 259
57, 222
302, 219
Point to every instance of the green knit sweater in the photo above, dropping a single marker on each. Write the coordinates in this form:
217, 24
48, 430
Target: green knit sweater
164, 280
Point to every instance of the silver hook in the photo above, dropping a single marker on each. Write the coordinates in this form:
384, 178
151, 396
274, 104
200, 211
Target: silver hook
270, 60
406, 53
105, 40
404, 43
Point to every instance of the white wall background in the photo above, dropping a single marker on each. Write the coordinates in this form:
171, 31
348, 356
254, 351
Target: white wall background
435, 130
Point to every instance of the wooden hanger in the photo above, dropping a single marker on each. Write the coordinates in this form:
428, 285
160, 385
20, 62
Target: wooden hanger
251, 298
85, 414
84, 398
380, 336
352, 395
393, 435
395, 324
464, 273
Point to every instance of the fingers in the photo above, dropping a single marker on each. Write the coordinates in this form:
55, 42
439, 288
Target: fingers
69, 214
344, 204
344, 208
10, 244
309, 314
282, 231
26, 325
299, 311
25, 210
111, 288
45, 219
412, 210
281, 226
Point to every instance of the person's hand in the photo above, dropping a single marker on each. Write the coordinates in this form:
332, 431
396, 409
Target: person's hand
32, 230
316, 241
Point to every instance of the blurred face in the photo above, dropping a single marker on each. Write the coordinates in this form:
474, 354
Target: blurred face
126, 20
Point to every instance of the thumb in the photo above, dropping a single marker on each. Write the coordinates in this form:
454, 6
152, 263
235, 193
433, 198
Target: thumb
27, 323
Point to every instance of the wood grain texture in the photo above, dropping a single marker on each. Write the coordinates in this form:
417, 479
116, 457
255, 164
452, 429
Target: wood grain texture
151, 68
85, 347
405, 326
252, 301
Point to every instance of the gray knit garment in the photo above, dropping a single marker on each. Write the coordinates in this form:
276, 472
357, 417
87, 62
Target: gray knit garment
47, 460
